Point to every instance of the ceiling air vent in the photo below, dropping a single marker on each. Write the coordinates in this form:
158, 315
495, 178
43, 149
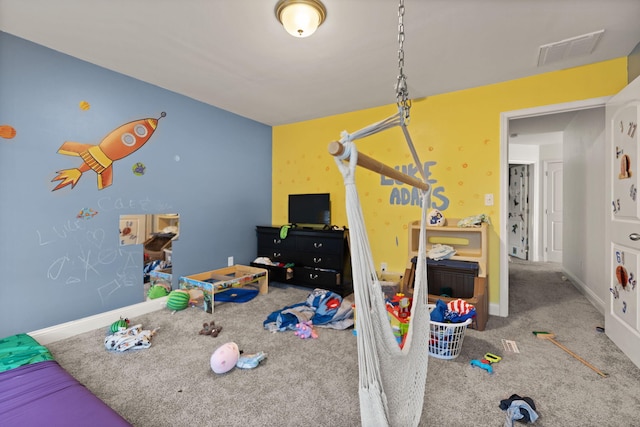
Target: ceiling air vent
568, 48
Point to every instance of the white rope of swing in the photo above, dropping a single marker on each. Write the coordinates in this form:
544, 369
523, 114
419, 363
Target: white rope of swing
371, 378
350, 153
388, 123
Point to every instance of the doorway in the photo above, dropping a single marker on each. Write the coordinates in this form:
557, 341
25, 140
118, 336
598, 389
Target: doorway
540, 116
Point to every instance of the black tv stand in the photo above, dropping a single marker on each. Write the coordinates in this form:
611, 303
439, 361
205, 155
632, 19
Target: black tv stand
320, 257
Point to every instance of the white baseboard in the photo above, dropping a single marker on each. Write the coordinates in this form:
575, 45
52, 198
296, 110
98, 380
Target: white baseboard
102, 320
494, 309
586, 291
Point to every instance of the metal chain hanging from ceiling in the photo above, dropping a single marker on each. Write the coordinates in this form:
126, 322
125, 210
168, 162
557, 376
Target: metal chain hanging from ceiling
402, 91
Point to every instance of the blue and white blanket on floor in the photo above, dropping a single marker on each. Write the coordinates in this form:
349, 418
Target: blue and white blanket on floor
323, 308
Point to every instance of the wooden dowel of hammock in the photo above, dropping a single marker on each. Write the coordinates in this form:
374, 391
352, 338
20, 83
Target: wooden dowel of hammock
336, 149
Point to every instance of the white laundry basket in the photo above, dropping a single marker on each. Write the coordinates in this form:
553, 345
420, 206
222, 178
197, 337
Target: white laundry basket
445, 339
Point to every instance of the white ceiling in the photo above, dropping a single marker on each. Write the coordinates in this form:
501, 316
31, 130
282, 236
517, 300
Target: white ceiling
234, 54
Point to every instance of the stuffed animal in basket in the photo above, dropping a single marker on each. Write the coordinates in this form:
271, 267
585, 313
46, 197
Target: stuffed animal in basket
305, 330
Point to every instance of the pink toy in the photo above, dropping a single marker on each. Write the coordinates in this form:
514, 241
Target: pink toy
225, 358
305, 330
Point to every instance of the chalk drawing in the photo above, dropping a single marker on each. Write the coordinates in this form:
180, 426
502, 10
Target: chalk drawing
96, 237
107, 289
108, 256
108, 204
79, 253
85, 258
127, 279
130, 262
62, 232
54, 270
42, 242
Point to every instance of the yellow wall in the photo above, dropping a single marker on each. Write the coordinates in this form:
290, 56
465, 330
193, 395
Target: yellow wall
459, 131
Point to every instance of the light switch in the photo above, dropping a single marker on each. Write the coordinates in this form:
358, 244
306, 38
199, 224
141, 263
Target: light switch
488, 199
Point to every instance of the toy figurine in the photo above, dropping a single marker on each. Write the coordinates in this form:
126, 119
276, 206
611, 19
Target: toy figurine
305, 330
489, 359
119, 325
480, 364
250, 361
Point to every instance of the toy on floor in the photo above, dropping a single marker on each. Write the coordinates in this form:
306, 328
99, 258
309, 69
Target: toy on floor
489, 359
399, 311
521, 409
133, 338
250, 361
305, 330
210, 329
178, 300
119, 325
404, 308
550, 337
225, 358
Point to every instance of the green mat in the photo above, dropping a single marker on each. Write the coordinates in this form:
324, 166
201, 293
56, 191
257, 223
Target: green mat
21, 349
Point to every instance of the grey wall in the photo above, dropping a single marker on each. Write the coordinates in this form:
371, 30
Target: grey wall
210, 166
584, 245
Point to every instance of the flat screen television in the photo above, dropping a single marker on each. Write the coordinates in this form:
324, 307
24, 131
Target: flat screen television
310, 209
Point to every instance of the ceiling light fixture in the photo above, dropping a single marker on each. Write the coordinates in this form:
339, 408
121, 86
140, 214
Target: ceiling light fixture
300, 18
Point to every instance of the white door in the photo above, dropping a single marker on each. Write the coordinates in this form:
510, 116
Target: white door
519, 211
622, 318
553, 212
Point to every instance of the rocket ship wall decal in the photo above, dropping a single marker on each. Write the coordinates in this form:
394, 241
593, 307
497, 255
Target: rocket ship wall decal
120, 143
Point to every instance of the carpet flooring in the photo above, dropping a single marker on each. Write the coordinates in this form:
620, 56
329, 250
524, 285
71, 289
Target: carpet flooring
315, 382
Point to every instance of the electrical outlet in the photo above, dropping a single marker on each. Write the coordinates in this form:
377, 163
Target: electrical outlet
230, 261
383, 267
488, 199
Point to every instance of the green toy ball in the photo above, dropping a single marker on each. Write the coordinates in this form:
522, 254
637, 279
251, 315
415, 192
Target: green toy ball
119, 325
178, 300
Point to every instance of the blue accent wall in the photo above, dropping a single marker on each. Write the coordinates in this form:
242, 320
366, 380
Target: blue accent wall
208, 165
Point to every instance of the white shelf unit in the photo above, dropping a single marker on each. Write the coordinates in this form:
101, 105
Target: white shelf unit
161, 221
470, 244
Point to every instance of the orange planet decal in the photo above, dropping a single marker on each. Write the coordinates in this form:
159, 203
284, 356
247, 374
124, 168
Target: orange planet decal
84, 105
7, 131
120, 143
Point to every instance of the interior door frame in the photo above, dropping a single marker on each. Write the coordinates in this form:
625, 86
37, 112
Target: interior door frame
503, 305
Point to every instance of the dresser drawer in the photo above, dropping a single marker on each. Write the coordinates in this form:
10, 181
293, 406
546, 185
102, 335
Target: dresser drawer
277, 255
316, 278
319, 245
330, 261
273, 240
